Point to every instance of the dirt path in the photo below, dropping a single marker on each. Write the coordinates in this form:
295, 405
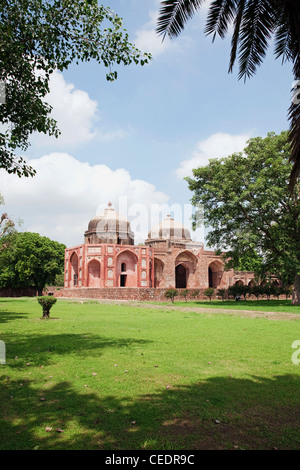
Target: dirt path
245, 313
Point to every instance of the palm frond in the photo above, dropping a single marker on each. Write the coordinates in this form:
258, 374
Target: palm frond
287, 45
236, 33
256, 29
294, 137
173, 15
283, 43
220, 15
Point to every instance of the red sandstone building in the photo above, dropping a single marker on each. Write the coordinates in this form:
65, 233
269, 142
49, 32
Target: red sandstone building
108, 259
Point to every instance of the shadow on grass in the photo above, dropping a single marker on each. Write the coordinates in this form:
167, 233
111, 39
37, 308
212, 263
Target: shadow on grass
220, 413
39, 349
6, 316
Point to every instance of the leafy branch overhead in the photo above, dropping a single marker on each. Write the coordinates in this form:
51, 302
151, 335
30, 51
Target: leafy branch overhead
254, 25
37, 37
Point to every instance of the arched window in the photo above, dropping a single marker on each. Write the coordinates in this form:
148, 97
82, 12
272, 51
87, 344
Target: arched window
123, 267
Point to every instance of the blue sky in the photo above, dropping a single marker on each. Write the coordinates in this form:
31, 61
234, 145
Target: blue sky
132, 141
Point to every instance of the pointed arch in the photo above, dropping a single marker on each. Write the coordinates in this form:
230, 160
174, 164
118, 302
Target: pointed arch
215, 273
127, 260
93, 273
74, 269
158, 271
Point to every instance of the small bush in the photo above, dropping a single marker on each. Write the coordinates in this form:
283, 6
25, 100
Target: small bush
222, 293
47, 303
184, 293
195, 293
171, 294
209, 292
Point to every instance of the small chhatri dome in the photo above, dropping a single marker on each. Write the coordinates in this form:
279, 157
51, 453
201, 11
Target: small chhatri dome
109, 227
169, 229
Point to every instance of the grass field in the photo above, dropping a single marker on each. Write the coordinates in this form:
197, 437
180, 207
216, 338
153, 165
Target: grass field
108, 376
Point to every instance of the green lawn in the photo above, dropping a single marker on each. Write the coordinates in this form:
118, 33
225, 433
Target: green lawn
105, 376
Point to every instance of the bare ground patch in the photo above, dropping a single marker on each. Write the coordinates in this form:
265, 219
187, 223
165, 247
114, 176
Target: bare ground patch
245, 313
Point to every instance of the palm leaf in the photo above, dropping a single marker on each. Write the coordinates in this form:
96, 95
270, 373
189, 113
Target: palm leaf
283, 43
173, 15
221, 14
294, 137
256, 29
236, 33
287, 45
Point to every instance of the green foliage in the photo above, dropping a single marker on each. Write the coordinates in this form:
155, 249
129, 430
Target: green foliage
47, 303
222, 293
28, 259
195, 293
184, 293
37, 37
209, 292
59, 279
267, 290
171, 294
249, 208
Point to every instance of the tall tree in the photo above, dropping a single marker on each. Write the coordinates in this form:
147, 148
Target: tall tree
248, 207
30, 260
255, 23
37, 37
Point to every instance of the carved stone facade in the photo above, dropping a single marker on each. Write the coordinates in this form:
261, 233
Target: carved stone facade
169, 258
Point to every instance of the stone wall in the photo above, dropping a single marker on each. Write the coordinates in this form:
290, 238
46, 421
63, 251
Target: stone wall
123, 293
12, 292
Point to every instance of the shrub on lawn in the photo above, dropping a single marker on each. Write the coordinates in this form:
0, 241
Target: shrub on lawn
171, 294
209, 292
47, 303
222, 293
195, 293
184, 293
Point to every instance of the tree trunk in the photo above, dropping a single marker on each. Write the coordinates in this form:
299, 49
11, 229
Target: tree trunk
296, 291
46, 312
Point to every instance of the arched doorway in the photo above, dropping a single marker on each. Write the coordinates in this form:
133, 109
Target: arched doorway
185, 267
180, 276
215, 273
94, 273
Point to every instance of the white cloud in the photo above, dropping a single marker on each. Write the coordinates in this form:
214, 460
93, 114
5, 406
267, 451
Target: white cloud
75, 112
66, 193
77, 117
216, 146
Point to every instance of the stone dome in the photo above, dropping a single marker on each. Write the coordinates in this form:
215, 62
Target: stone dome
169, 229
109, 227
